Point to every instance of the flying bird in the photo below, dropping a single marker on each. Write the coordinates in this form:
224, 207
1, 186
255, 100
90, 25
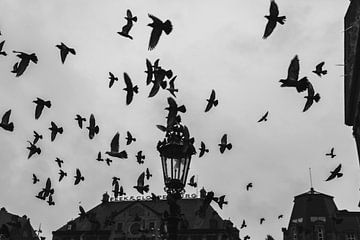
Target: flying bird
59, 162
108, 161
150, 70
159, 79
130, 89
311, 97
20, 67
173, 109
319, 69
335, 174
5, 124
262, 220
139, 157
192, 182
35, 179
292, 79
115, 180
129, 138
48, 190
99, 158
50, 201
220, 201
224, 144
78, 177
148, 174
93, 128
33, 149
158, 27
64, 51
140, 187
62, 175
171, 87
40, 195
211, 101
269, 237
129, 24
37, 137
264, 117
1, 49
243, 225
55, 130
331, 153
273, 19
247, 237
202, 149
80, 120
248, 186
40, 104
112, 79
114, 148
280, 216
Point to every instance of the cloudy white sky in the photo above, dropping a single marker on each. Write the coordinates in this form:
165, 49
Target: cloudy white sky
214, 45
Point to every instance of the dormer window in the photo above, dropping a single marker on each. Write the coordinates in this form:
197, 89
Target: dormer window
297, 220
314, 219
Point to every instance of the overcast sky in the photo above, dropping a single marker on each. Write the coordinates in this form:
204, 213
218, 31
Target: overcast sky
214, 45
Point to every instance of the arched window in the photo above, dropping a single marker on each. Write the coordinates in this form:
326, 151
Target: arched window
320, 232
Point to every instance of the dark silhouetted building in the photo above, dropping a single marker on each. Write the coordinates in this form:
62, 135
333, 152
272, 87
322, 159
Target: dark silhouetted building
13, 227
316, 217
144, 219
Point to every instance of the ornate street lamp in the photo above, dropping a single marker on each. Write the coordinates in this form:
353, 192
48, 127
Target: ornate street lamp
175, 152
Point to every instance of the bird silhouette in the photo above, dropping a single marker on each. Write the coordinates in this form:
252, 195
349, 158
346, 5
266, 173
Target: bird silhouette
59, 162
264, 117
112, 79
5, 124
55, 130
1, 49
269, 237
35, 179
247, 237
248, 186
80, 120
292, 79
262, 220
192, 182
40, 195
114, 180
319, 69
273, 19
171, 87
99, 158
93, 128
129, 24
48, 190
220, 201
335, 174
280, 216
130, 89
50, 201
62, 175
211, 101
64, 51
20, 67
82, 213
243, 225
157, 28
148, 174
173, 109
114, 148
331, 153
159, 79
40, 104
33, 149
311, 97
202, 149
140, 187
78, 177
129, 138
224, 144
150, 70
108, 161
36, 137
139, 157
116, 190
154, 197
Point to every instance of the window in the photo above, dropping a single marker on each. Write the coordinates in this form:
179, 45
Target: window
314, 219
320, 233
350, 236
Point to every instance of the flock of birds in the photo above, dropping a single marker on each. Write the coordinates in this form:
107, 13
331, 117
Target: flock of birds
160, 78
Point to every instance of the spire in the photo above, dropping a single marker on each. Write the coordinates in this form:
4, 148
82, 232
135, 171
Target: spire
311, 184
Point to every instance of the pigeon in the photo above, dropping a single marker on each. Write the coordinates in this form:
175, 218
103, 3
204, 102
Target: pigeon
280, 216
82, 213
99, 157
116, 190
130, 89
202, 149
159, 80
264, 117
112, 79
33, 149
78, 177
37, 137
292, 79
1, 49
59, 162
35, 179
20, 67
224, 145
140, 187
80, 120
93, 128
64, 51
273, 19
262, 220
40, 104
50, 201
108, 161
247, 237
157, 28
148, 174
243, 225
115, 180
331, 153
335, 174
149, 70
171, 87
173, 109
129, 138
114, 148
129, 24
319, 69
62, 175
140, 158
220, 201
40, 195
5, 124
211, 101
55, 130
311, 97
48, 190
192, 182
248, 186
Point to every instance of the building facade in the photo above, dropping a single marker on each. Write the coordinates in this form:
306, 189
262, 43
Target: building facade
315, 217
144, 219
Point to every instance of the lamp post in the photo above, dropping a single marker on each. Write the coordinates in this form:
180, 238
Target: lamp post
175, 151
